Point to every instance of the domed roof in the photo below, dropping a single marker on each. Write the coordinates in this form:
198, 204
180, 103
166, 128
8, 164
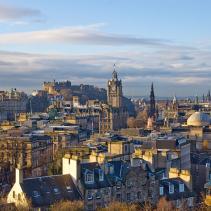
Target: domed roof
198, 119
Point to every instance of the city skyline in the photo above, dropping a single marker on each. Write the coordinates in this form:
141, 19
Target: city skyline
162, 42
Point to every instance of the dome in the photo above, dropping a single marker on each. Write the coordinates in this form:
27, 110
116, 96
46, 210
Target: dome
198, 119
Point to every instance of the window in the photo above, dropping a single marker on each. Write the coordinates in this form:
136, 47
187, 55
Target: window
90, 207
118, 196
111, 169
98, 195
161, 190
13, 194
126, 148
181, 187
56, 191
19, 196
69, 189
118, 185
89, 178
171, 188
128, 196
178, 203
89, 195
190, 202
36, 194
139, 195
101, 175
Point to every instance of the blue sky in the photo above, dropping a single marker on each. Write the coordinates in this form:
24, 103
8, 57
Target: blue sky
164, 41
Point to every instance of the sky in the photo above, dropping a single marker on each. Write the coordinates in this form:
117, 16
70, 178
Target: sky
167, 42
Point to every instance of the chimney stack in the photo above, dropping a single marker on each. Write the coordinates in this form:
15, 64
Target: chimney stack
19, 175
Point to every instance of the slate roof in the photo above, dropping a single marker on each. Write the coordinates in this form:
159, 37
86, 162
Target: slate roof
46, 190
200, 158
93, 168
120, 170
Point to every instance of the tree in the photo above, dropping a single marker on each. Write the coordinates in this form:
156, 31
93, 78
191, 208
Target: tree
66, 93
131, 122
68, 206
118, 206
164, 205
141, 119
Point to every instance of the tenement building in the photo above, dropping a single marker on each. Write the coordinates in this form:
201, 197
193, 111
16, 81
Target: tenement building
32, 152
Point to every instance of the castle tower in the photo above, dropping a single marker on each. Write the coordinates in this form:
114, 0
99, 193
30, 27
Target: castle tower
114, 91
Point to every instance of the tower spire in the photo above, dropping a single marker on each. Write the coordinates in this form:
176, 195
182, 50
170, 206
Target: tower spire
114, 74
152, 110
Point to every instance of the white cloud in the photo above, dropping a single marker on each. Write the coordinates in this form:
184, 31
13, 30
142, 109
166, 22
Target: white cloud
192, 81
78, 35
28, 71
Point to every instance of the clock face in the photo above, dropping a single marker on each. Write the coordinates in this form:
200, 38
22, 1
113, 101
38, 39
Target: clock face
113, 88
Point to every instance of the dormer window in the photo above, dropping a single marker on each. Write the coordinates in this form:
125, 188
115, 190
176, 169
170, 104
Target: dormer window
98, 195
89, 178
118, 185
69, 189
161, 190
171, 188
56, 191
111, 169
101, 175
89, 195
181, 187
36, 194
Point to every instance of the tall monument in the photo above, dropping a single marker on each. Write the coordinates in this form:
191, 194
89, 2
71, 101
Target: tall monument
152, 109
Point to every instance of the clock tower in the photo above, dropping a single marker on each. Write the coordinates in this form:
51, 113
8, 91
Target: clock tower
114, 91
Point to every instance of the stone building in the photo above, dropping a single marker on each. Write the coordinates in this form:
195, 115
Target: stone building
113, 115
165, 152
197, 128
177, 192
33, 153
114, 91
12, 103
113, 180
54, 87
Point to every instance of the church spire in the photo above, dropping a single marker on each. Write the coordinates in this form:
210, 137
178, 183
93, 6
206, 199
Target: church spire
114, 74
152, 110
208, 96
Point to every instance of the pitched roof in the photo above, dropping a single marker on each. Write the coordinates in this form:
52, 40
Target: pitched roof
46, 190
93, 168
